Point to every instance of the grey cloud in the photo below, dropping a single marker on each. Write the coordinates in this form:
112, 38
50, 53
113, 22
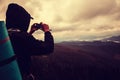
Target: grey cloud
115, 15
104, 28
89, 10
1, 1
58, 19
64, 29
100, 12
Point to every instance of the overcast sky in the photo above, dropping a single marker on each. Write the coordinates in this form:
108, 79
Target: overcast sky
73, 19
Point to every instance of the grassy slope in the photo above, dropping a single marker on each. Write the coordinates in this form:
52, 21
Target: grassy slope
76, 62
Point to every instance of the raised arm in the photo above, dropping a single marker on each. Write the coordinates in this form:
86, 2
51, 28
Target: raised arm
42, 47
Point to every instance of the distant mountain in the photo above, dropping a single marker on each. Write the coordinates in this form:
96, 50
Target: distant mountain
92, 46
92, 43
113, 38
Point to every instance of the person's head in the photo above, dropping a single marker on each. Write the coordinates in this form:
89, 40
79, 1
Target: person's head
17, 17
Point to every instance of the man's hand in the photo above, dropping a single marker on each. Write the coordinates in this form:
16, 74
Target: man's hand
44, 27
33, 28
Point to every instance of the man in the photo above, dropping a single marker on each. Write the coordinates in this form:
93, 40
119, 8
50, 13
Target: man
24, 44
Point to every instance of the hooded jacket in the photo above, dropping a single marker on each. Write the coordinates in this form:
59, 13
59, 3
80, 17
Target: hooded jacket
24, 44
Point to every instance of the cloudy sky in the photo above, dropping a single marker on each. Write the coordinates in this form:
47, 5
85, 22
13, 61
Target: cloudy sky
73, 19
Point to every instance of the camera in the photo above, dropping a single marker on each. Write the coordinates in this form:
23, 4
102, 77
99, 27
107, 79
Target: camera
38, 26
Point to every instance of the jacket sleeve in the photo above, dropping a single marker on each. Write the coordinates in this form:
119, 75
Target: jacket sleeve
42, 47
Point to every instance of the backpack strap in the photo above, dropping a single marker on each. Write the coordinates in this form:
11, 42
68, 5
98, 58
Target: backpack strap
7, 61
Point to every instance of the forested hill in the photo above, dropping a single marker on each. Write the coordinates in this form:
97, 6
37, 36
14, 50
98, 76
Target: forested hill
80, 60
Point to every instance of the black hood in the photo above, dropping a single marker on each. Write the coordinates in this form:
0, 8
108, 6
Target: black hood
17, 17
